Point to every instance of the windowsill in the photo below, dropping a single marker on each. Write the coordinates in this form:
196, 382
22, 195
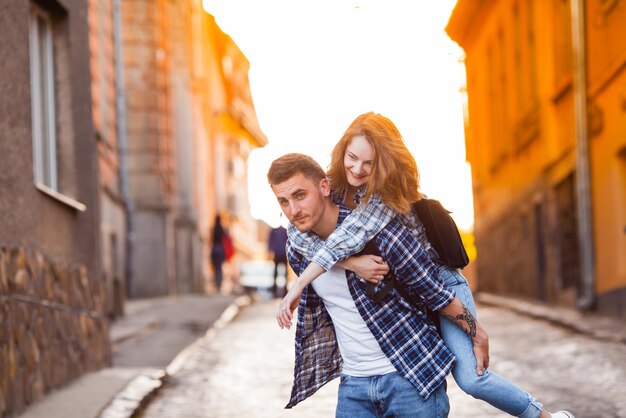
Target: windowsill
75, 204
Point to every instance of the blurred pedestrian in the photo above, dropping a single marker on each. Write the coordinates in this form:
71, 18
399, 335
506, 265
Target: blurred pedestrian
221, 250
276, 244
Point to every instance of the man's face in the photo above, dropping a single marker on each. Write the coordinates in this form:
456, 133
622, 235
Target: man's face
302, 201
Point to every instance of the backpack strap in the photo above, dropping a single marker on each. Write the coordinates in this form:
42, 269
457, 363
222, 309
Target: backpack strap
384, 291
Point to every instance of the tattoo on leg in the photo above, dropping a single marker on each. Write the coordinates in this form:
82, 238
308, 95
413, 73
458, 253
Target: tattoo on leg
465, 318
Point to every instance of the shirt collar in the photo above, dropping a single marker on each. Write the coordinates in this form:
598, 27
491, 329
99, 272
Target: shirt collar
343, 213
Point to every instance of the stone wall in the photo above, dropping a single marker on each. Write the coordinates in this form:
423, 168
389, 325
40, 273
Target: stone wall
516, 251
52, 326
523, 252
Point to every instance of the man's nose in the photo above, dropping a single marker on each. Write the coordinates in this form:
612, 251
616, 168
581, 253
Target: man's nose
294, 207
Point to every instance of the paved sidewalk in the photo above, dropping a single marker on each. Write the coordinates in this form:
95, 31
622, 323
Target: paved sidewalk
246, 370
600, 327
149, 343
158, 336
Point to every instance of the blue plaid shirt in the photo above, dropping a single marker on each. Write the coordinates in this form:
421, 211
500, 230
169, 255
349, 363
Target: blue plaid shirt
403, 331
363, 223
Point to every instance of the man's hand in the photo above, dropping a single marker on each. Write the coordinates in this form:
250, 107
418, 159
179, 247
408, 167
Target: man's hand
463, 318
370, 267
481, 350
284, 315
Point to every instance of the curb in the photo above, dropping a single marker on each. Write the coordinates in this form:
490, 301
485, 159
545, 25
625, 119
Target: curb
603, 328
135, 396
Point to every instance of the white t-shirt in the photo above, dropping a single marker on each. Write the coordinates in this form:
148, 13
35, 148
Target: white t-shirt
359, 349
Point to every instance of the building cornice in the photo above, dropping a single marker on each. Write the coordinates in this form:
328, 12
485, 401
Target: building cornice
465, 18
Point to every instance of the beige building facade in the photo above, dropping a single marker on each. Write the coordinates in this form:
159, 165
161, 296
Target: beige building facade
177, 156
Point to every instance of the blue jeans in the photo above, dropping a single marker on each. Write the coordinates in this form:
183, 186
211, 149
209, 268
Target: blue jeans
490, 387
389, 395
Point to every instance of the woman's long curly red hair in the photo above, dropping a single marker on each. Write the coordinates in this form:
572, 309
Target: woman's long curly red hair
394, 177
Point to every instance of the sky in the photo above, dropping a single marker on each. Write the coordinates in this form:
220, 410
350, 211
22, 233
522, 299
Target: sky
317, 65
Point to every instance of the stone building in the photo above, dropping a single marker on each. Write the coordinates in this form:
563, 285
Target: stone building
113, 193
546, 139
190, 125
53, 326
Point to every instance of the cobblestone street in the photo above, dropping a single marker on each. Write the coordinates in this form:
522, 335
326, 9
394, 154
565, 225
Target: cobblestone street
245, 370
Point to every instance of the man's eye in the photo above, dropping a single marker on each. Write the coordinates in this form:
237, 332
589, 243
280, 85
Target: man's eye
300, 196
283, 202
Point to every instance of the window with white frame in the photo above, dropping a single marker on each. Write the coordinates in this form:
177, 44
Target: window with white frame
43, 99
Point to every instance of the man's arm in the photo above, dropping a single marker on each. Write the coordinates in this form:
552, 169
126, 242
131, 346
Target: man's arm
284, 314
412, 266
458, 313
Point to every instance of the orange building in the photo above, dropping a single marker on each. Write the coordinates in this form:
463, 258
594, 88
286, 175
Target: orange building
549, 185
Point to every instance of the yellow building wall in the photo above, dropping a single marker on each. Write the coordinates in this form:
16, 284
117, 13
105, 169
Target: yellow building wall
520, 140
606, 53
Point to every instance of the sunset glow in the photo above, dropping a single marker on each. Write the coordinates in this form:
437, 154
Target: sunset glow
317, 65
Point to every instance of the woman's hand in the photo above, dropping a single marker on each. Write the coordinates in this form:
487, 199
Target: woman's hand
370, 267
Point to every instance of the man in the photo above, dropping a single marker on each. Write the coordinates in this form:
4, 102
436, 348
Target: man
276, 243
390, 357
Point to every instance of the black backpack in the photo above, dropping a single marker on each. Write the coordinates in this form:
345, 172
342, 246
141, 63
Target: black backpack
442, 233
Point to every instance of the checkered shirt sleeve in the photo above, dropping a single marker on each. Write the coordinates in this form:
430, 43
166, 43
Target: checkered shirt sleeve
359, 227
305, 243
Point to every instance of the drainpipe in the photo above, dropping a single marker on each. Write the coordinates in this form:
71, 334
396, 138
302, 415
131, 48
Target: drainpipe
122, 145
583, 189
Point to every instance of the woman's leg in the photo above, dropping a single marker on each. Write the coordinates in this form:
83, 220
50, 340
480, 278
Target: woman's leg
490, 387
219, 274
217, 260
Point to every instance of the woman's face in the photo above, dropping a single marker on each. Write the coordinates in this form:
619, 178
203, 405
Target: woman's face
358, 161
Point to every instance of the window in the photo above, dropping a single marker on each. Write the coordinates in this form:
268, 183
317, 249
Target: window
43, 99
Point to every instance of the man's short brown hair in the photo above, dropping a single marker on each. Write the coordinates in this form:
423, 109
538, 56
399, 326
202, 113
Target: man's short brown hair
287, 166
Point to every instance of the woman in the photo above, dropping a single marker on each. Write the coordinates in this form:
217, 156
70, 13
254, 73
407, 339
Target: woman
218, 252
373, 173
